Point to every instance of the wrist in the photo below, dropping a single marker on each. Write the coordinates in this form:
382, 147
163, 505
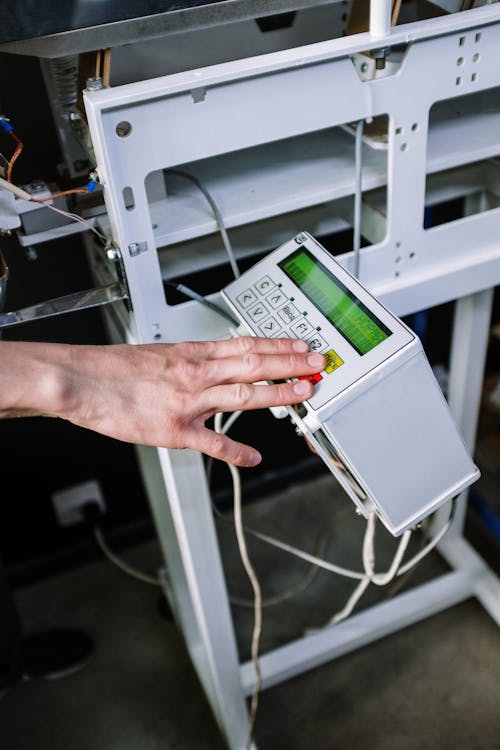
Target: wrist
35, 379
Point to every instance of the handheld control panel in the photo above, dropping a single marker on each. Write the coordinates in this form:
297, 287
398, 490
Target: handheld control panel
377, 417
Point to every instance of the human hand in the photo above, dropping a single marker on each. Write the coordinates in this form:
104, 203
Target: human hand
163, 394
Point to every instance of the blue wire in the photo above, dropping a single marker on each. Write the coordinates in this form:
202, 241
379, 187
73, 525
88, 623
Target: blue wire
485, 512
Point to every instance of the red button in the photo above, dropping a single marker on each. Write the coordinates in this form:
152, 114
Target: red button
312, 378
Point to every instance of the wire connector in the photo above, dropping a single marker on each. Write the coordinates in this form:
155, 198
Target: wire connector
91, 186
5, 124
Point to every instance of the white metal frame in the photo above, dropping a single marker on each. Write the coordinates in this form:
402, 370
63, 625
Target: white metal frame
219, 110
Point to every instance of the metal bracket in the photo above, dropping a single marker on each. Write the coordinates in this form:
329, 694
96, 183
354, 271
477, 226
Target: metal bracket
68, 303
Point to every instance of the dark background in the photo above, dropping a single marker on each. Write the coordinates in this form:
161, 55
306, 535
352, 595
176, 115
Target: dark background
41, 455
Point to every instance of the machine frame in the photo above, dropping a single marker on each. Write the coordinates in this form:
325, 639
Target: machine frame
207, 113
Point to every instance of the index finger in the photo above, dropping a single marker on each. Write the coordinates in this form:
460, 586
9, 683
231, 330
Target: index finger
246, 345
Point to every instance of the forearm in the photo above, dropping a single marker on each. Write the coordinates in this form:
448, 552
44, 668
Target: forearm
158, 394
34, 379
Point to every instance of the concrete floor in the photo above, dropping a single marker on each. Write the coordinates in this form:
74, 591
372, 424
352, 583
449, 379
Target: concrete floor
434, 685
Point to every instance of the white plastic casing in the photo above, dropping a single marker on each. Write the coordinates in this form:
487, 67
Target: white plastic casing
378, 419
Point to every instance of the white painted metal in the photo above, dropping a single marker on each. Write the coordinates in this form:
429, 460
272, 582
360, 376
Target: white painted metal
361, 629
257, 103
380, 18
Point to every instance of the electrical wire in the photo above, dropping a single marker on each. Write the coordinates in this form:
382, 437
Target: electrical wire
217, 214
432, 544
369, 576
379, 579
76, 217
290, 593
125, 567
357, 196
306, 556
24, 195
73, 191
337, 569
257, 628
188, 292
15, 156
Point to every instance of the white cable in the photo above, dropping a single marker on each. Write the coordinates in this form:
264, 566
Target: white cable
240, 536
369, 575
368, 553
17, 191
330, 567
379, 579
217, 214
75, 217
257, 629
272, 601
229, 421
306, 556
120, 563
425, 551
368, 548
351, 603
358, 144
382, 579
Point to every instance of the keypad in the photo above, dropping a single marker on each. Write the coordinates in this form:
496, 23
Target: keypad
317, 343
270, 327
302, 328
276, 299
264, 285
246, 298
275, 315
258, 312
289, 312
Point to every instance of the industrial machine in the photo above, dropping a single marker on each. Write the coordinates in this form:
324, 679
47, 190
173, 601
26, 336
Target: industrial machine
314, 121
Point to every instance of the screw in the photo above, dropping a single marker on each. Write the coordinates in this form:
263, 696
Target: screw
37, 186
300, 238
364, 67
380, 55
95, 83
112, 253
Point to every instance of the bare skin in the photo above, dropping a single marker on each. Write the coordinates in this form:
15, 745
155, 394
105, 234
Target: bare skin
156, 394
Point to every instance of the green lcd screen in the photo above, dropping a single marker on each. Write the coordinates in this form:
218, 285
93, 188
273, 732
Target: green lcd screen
343, 309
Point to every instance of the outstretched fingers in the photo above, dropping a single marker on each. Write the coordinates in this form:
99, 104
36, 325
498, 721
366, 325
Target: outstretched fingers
247, 396
254, 367
237, 347
221, 447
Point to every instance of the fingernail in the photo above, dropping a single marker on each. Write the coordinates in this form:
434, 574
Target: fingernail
254, 459
301, 387
300, 346
316, 360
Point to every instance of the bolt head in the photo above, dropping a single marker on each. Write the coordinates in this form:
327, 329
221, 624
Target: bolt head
95, 83
112, 253
364, 67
